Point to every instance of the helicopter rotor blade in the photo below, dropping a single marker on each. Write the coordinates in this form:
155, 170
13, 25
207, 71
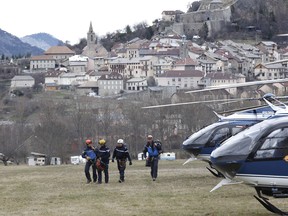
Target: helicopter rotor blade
191, 102
267, 96
209, 88
274, 107
276, 99
240, 109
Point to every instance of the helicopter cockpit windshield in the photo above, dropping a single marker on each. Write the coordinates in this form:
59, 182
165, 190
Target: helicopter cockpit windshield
213, 135
202, 136
240, 144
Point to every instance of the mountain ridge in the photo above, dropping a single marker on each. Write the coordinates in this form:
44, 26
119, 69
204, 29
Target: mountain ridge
10, 45
264, 17
42, 40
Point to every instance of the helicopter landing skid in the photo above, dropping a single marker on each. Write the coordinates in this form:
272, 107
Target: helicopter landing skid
269, 206
218, 174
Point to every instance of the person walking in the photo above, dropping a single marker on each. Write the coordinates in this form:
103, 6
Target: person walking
102, 161
121, 154
90, 155
154, 149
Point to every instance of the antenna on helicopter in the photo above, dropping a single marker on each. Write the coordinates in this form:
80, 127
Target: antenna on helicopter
219, 116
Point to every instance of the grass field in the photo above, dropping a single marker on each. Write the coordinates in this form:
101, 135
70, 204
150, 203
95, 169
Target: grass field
179, 190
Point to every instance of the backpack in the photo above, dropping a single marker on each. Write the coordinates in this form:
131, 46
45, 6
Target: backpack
158, 146
100, 165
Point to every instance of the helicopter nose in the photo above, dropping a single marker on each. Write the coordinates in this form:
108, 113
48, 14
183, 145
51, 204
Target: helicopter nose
191, 146
226, 165
192, 149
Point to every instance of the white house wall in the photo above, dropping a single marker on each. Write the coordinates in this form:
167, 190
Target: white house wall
68, 79
110, 87
181, 82
51, 80
22, 83
78, 68
42, 64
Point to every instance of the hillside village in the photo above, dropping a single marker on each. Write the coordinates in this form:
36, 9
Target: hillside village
167, 60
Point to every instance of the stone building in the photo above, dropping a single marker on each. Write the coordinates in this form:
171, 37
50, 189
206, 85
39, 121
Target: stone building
215, 14
94, 48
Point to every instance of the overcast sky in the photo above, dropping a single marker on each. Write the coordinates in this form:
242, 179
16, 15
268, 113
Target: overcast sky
68, 20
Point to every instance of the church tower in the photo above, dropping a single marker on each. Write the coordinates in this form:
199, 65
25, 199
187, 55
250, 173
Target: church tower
94, 47
91, 37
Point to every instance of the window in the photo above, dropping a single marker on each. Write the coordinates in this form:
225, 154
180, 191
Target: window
275, 145
222, 134
219, 136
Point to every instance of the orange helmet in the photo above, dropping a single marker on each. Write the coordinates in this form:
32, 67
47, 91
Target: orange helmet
88, 141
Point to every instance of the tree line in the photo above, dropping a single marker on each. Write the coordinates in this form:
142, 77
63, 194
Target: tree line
58, 125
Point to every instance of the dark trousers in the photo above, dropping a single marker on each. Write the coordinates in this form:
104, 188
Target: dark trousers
88, 164
121, 165
106, 173
154, 167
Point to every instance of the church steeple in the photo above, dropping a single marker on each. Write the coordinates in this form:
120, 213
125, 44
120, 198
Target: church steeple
90, 28
91, 36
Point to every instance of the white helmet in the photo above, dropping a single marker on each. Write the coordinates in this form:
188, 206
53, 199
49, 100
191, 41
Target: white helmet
120, 141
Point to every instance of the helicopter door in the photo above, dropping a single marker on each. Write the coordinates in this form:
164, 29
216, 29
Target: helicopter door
274, 146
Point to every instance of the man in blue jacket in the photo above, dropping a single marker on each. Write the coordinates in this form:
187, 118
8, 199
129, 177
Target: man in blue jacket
90, 155
154, 149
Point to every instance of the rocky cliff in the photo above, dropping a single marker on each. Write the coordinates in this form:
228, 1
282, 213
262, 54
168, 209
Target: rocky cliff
223, 18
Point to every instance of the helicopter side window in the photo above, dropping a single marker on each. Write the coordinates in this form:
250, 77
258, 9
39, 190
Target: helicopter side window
275, 145
219, 136
236, 130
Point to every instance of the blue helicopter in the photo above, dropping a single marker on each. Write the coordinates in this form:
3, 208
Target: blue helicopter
201, 143
258, 157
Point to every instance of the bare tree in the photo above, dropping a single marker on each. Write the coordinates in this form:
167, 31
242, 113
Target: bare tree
12, 148
52, 132
137, 125
15, 135
107, 116
83, 122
